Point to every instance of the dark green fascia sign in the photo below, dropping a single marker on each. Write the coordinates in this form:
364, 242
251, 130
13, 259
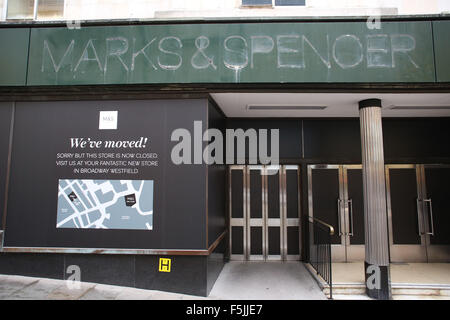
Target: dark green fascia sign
13, 56
232, 53
441, 33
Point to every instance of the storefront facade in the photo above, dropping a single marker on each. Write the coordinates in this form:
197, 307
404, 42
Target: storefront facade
89, 121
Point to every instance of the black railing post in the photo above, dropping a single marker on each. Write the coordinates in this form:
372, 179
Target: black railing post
330, 265
321, 238
317, 250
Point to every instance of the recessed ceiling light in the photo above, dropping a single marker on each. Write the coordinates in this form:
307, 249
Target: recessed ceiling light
284, 107
419, 107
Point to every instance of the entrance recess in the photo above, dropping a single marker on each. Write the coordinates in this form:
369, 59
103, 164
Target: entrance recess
335, 196
264, 212
418, 212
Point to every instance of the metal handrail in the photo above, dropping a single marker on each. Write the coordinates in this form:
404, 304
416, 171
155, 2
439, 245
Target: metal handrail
320, 250
329, 226
1, 240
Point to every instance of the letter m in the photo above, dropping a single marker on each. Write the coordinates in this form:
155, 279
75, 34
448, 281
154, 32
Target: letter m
240, 136
57, 66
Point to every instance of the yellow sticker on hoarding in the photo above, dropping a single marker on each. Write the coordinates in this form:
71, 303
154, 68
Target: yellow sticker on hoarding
164, 264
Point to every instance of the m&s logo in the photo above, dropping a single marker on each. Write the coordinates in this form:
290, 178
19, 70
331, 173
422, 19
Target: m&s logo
108, 120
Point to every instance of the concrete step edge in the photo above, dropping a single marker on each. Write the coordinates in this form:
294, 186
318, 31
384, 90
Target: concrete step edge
412, 289
396, 285
421, 286
399, 290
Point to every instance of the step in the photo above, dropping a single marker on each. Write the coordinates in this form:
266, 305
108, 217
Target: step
421, 289
345, 288
413, 297
398, 289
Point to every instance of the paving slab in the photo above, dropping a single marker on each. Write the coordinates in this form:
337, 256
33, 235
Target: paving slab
102, 292
134, 294
70, 292
27, 288
266, 281
39, 290
11, 284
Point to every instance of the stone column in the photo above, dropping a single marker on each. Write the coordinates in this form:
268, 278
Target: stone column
376, 262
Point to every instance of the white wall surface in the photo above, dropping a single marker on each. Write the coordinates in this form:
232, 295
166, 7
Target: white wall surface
2, 10
150, 9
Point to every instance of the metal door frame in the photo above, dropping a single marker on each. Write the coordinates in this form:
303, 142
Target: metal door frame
435, 253
345, 251
264, 222
237, 222
274, 222
354, 252
338, 251
256, 222
291, 222
406, 252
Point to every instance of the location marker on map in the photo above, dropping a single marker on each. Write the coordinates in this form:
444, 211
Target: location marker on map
130, 200
72, 196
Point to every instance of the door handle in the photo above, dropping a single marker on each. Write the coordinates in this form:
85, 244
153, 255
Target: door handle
339, 216
431, 216
350, 201
419, 223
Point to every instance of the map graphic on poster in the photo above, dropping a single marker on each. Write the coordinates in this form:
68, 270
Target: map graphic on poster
105, 204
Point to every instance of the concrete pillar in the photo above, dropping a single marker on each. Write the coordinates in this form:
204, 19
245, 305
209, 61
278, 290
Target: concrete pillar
376, 262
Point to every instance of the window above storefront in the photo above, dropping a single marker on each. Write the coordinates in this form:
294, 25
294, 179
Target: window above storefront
274, 3
77, 10
34, 9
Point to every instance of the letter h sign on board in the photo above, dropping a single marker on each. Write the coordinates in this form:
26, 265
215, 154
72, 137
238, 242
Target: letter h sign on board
164, 265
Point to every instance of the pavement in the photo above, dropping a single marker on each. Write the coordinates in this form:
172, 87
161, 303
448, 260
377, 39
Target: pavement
266, 281
238, 281
27, 288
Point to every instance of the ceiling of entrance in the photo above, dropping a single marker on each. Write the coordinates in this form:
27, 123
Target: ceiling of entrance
312, 105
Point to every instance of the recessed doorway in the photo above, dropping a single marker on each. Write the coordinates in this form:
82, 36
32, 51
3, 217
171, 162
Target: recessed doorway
264, 212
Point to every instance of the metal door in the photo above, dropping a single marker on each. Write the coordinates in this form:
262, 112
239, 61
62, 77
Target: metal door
291, 212
435, 205
353, 212
237, 195
274, 213
407, 239
264, 213
256, 213
335, 197
325, 197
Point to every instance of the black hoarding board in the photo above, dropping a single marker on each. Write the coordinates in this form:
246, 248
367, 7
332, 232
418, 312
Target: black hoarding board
98, 174
217, 183
5, 125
